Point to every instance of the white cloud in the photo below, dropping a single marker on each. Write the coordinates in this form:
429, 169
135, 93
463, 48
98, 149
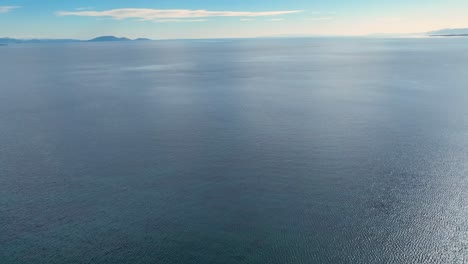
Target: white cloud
247, 19
6, 9
178, 20
158, 14
277, 19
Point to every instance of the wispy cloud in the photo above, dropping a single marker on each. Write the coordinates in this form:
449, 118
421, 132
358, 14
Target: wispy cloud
178, 20
247, 19
162, 14
277, 19
6, 9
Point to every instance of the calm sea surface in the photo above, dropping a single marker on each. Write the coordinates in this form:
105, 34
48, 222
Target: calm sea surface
235, 151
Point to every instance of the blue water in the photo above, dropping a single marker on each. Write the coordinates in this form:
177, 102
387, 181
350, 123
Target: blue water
235, 151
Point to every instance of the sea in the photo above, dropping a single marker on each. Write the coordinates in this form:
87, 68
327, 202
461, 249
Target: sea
274, 151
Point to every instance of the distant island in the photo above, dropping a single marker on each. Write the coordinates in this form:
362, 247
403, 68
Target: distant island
108, 38
449, 32
5, 41
450, 35
113, 38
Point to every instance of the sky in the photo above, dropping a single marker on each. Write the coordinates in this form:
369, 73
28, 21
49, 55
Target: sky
157, 19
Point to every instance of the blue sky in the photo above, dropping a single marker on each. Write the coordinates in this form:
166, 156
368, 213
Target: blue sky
84, 19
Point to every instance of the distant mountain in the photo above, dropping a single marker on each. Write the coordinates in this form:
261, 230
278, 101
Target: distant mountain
47, 40
449, 32
98, 39
142, 39
7, 40
12, 40
108, 38
113, 38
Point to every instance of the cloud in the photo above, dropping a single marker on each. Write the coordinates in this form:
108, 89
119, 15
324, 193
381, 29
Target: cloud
158, 14
178, 20
277, 19
6, 9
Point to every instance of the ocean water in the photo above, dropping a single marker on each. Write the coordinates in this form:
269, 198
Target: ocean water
270, 151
